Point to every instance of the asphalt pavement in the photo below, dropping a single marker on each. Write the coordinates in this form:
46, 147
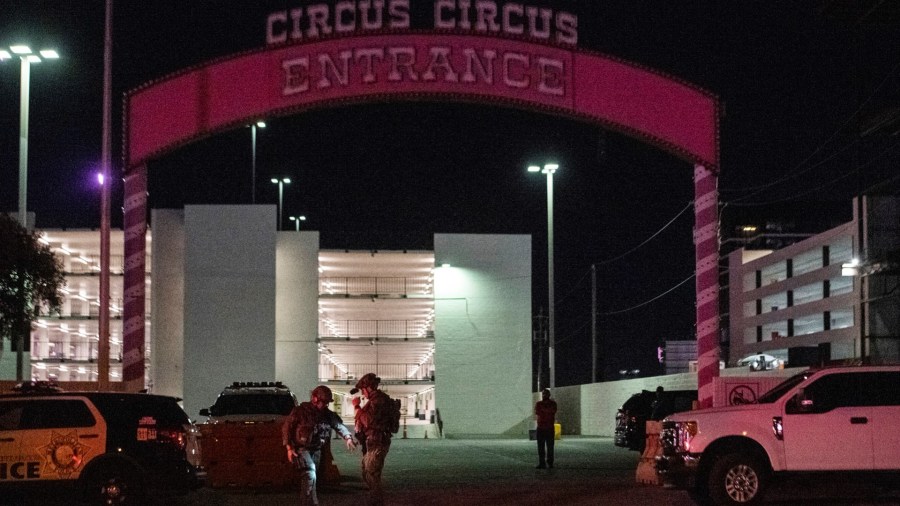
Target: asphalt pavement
588, 471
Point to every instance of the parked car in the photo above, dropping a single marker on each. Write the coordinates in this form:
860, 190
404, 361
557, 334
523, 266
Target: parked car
111, 447
834, 420
631, 419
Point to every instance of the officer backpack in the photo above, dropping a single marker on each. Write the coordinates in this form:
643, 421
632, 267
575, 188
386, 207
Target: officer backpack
394, 420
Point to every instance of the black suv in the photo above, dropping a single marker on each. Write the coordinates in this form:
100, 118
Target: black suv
114, 448
631, 419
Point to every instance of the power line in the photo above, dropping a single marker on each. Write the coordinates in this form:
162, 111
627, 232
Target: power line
632, 250
642, 304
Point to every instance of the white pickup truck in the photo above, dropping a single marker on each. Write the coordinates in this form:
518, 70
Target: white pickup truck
831, 419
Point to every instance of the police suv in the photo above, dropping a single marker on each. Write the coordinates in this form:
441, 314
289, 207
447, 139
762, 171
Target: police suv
112, 447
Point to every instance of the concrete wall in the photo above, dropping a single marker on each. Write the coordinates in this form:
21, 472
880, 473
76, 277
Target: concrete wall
590, 410
296, 311
483, 334
167, 303
229, 299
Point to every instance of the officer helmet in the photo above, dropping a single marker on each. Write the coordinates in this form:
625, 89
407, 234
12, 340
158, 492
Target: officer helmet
322, 393
368, 381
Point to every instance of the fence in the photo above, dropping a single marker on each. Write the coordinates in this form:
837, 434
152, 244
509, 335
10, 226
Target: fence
405, 372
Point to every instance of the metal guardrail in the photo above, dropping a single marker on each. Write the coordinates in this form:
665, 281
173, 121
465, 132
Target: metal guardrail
375, 329
387, 372
375, 286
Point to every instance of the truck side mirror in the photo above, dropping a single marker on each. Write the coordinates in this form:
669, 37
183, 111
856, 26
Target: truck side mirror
800, 403
204, 412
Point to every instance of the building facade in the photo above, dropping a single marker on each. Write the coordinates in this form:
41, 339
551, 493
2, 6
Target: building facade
232, 299
804, 305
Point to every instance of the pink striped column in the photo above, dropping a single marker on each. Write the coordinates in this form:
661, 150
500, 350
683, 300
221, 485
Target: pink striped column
134, 310
706, 248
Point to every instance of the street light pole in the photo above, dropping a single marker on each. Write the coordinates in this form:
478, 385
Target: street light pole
253, 127
297, 220
26, 57
281, 182
105, 182
549, 169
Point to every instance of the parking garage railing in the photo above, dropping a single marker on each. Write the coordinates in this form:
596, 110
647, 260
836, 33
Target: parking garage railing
375, 286
387, 372
375, 329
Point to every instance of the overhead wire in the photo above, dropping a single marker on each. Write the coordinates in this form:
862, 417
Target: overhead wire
642, 304
822, 186
574, 287
632, 250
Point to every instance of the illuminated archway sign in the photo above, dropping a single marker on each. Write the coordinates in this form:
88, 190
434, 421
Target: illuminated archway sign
476, 62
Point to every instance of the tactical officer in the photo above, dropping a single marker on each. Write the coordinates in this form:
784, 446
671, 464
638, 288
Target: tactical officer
305, 431
373, 424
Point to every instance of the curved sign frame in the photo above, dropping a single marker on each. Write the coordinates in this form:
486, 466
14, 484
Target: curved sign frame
439, 66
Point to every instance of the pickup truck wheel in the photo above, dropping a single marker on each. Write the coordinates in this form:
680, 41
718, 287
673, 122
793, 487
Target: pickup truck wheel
737, 478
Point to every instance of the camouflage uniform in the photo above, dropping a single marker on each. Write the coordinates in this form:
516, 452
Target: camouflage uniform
373, 421
307, 429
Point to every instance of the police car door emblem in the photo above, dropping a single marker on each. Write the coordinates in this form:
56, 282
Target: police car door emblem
64, 455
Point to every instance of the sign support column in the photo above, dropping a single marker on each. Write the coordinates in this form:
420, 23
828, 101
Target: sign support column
706, 247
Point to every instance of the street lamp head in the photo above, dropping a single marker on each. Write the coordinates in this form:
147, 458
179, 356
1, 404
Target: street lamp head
274, 180
25, 53
549, 168
261, 124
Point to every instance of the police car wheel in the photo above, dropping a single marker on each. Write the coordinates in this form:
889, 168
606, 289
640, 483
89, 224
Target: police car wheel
113, 486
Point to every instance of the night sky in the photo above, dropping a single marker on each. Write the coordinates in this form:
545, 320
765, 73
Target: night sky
810, 107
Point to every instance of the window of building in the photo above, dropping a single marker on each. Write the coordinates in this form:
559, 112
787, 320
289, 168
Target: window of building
808, 293
807, 262
809, 324
840, 285
841, 318
774, 330
840, 251
774, 302
774, 273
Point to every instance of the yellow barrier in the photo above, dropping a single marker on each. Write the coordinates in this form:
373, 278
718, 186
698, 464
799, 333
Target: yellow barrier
557, 431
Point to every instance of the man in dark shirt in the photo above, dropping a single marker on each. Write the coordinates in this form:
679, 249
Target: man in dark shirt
545, 413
